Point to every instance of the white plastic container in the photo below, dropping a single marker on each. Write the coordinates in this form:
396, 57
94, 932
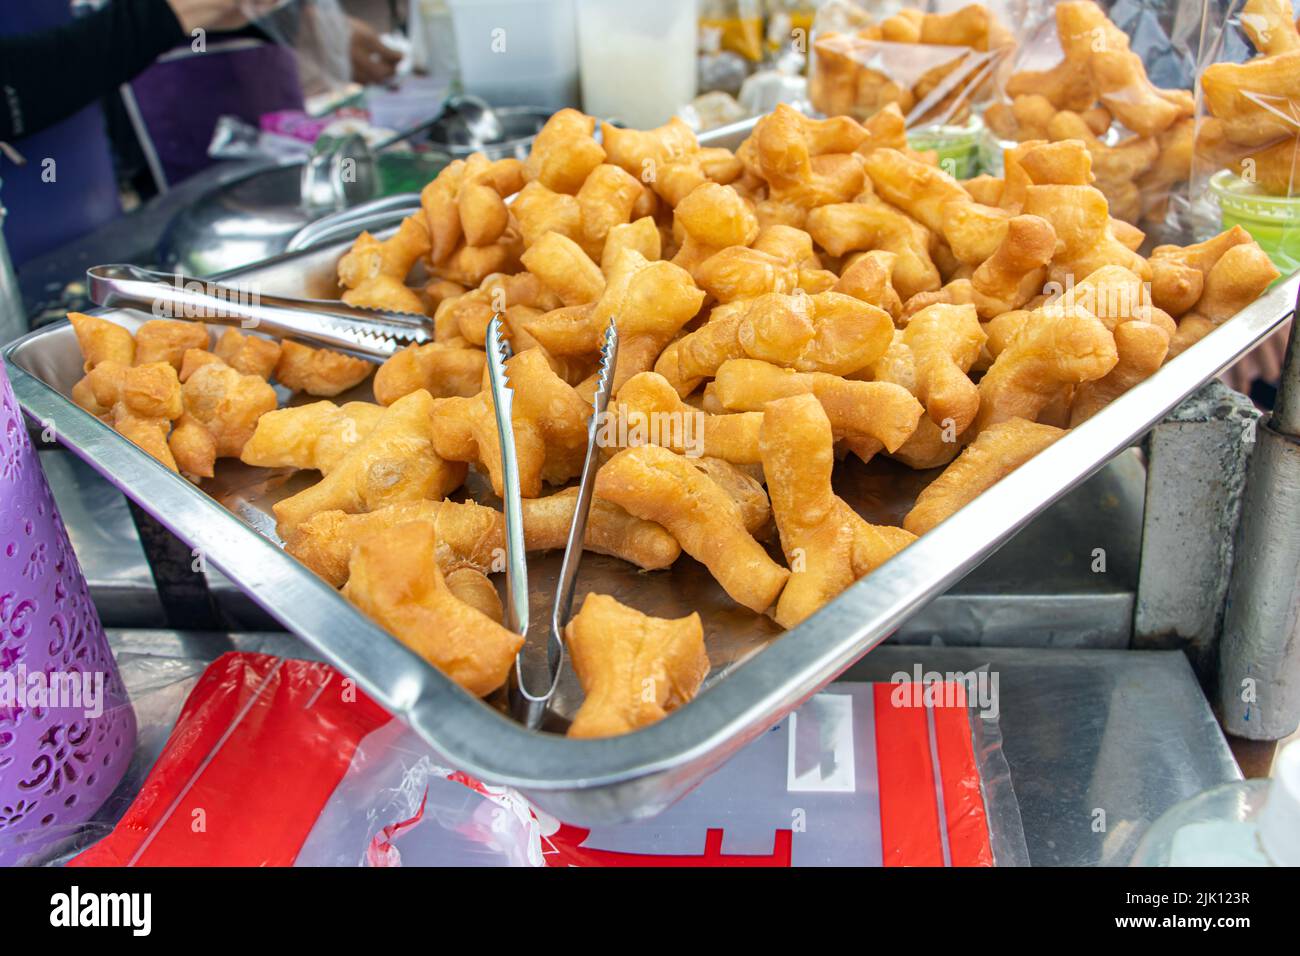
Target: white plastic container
638, 58
1247, 823
433, 39
517, 52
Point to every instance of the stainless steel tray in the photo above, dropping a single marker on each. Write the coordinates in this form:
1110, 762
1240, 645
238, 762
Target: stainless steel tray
755, 680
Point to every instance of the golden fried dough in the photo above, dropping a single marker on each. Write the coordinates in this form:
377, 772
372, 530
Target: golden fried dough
869, 277
1014, 273
999, 450
648, 410
828, 332
656, 485
716, 216
471, 586
1175, 285
320, 372
165, 340
480, 202
640, 152
1058, 346
102, 341
396, 582
875, 411
550, 426
1141, 348
565, 269
316, 436
564, 152
742, 485
826, 543
649, 301
1085, 238
392, 258
247, 354
610, 530
395, 462
439, 369
930, 358
1116, 72
385, 294
468, 535
222, 409
841, 228
634, 669
641, 236
141, 402
1238, 278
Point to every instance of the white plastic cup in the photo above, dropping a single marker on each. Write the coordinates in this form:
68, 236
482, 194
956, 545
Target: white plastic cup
517, 52
638, 58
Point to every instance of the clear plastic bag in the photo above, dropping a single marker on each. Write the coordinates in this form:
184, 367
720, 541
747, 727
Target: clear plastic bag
1117, 76
300, 768
1246, 160
734, 26
319, 34
938, 62
860, 775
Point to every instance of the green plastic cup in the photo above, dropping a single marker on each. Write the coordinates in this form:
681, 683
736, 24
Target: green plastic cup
408, 172
957, 146
1273, 221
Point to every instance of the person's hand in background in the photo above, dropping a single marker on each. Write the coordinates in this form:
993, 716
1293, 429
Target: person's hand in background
372, 60
218, 14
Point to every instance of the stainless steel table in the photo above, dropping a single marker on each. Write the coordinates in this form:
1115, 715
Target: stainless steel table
1099, 742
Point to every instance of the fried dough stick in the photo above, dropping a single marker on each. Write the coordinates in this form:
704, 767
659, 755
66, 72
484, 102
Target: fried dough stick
634, 668
999, 450
395, 462
826, 542
396, 582
656, 485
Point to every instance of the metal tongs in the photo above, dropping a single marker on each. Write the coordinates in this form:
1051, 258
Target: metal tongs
535, 688
366, 332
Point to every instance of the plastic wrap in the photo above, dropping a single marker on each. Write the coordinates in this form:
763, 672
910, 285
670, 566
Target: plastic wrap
1246, 161
734, 26
1118, 77
938, 62
275, 761
318, 33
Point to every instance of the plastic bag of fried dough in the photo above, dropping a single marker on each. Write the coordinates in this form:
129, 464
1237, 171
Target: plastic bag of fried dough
936, 61
1117, 76
1246, 155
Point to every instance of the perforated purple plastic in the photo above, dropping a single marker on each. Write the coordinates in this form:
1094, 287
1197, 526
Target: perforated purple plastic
67, 730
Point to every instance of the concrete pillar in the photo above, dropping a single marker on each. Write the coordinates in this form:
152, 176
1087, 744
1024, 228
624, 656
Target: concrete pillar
1196, 475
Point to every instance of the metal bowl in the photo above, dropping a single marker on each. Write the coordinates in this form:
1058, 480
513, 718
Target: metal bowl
519, 126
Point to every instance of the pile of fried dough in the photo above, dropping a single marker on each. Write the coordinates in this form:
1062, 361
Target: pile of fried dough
939, 64
1139, 135
188, 402
824, 292
1254, 107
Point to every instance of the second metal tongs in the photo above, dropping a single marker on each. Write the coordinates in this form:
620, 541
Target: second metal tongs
536, 683
331, 324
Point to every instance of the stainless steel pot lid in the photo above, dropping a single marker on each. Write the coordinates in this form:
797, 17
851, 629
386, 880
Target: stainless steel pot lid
499, 132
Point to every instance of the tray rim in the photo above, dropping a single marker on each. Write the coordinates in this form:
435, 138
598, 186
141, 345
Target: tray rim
640, 773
